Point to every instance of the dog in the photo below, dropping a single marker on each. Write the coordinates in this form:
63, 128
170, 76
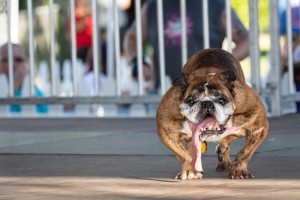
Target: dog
211, 102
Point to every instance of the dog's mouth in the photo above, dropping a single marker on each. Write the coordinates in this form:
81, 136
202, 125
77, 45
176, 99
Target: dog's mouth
210, 126
207, 130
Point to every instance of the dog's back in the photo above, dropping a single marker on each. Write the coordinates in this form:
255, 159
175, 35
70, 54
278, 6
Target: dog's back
217, 58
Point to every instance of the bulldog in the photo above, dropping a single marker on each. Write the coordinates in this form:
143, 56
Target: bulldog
211, 102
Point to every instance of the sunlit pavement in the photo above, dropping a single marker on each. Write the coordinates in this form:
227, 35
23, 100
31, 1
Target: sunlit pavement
124, 159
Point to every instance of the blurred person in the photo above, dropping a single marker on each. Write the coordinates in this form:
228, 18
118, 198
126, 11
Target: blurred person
296, 63
20, 70
89, 72
84, 28
172, 33
147, 73
130, 85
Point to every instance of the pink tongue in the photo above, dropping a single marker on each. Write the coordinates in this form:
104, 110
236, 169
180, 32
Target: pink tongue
196, 144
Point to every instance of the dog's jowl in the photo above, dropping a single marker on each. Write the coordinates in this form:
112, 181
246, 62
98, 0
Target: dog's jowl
211, 102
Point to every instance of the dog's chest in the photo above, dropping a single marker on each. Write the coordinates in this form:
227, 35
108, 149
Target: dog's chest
186, 128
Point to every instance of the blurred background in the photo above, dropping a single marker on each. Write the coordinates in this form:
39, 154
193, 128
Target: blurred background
126, 9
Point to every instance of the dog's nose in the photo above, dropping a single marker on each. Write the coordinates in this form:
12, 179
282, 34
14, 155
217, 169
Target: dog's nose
209, 105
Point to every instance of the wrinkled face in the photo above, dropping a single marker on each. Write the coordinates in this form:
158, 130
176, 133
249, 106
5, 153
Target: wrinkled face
207, 99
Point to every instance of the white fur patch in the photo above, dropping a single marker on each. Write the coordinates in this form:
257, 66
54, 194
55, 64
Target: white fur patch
190, 112
211, 74
222, 113
259, 130
186, 128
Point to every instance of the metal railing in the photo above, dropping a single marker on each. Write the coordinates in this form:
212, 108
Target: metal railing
272, 91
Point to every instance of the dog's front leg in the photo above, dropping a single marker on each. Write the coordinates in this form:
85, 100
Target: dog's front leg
238, 168
184, 156
188, 171
223, 153
172, 139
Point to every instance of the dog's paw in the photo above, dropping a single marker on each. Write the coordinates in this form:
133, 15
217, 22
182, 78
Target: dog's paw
238, 172
223, 166
189, 175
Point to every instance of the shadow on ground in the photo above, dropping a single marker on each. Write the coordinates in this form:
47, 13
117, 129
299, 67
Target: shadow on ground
135, 167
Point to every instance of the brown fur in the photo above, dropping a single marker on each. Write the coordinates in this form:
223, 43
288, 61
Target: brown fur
249, 113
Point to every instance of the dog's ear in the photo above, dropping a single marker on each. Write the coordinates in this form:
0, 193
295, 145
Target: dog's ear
228, 76
181, 81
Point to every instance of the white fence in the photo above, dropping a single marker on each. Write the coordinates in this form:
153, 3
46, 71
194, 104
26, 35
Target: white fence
105, 98
88, 104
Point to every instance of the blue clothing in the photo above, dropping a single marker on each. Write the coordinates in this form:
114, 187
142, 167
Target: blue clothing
295, 12
40, 108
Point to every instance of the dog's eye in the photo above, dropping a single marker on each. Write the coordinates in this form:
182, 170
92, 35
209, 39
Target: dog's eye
190, 102
201, 88
222, 101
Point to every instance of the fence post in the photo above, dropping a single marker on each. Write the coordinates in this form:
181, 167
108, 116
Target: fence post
31, 48
275, 57
161, 42
254, 45
183, 32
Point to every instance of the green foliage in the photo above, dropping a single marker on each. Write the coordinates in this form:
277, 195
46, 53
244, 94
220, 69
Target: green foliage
23, 3
264, 15
62, 46
41, 47
242, 9
63, 50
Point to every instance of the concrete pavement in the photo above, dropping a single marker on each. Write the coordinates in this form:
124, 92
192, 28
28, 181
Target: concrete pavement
101, 158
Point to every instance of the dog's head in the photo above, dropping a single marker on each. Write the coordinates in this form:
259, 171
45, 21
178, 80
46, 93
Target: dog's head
207, 92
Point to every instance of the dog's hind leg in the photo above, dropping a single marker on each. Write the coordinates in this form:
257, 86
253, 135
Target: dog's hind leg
238, 168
